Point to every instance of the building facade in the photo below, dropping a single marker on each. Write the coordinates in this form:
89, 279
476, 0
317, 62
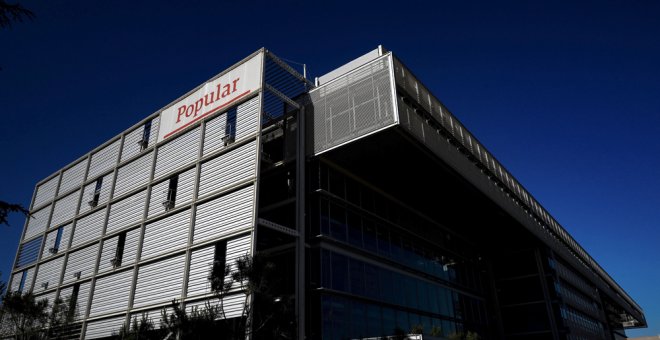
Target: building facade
381, 211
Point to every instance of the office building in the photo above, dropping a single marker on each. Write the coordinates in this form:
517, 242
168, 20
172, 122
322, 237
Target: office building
381, 211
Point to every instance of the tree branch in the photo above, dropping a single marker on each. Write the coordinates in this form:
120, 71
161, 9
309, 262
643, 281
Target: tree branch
6, 208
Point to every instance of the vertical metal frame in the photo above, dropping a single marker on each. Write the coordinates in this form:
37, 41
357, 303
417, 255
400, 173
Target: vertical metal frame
395, 107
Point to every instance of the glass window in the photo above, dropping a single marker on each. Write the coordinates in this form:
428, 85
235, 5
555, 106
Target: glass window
326, 307
325, 229
326, 269
357, 277
374, 327
339, 272
58, 239
354, 229
370, 236
371, 281
358, 323
383, 241
146, 133
230, 127
337, 222
21, 285
336, 183
339, 318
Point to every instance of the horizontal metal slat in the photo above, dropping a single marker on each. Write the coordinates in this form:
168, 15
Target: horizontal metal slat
229, 168
159, 282
225, 215
104, 159
73, 177
166, 235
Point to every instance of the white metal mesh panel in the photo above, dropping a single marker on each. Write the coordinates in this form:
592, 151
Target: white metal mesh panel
352, 105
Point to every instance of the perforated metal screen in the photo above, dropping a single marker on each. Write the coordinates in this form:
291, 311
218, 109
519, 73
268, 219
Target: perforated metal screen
351, 106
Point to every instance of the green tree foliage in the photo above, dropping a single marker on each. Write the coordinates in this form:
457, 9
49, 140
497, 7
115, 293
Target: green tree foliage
24, 316
10, 13
7, 208
140, 329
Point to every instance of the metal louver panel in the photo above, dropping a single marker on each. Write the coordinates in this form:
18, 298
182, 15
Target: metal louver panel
80, 261
111, 293
178, 153
48, 297
201, 263
247, 118
110, 250
158, 197
49, 247
132, 143
48, 274
159, 282
89, 193
73, 177
89, 227
184, 192
45, 192
225, 215
154, 316
65, 208
16, 280
133, 175
236, 249
233, 305
227, 169
37, 222
352, 106
104, 328
213, 133
80, 304
166, 235
155, 126
126, 212
28, 252
104, 159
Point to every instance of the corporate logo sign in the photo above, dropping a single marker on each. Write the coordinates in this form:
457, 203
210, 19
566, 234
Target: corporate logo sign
214, 96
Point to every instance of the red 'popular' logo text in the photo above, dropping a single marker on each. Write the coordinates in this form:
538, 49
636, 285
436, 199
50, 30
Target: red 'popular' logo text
221, 91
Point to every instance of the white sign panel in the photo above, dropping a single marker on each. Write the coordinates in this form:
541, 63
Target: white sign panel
212, 97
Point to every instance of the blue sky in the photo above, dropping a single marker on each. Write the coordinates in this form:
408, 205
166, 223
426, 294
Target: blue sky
566, 94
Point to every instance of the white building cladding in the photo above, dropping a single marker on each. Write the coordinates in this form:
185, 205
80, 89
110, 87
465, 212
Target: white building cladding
135, 223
